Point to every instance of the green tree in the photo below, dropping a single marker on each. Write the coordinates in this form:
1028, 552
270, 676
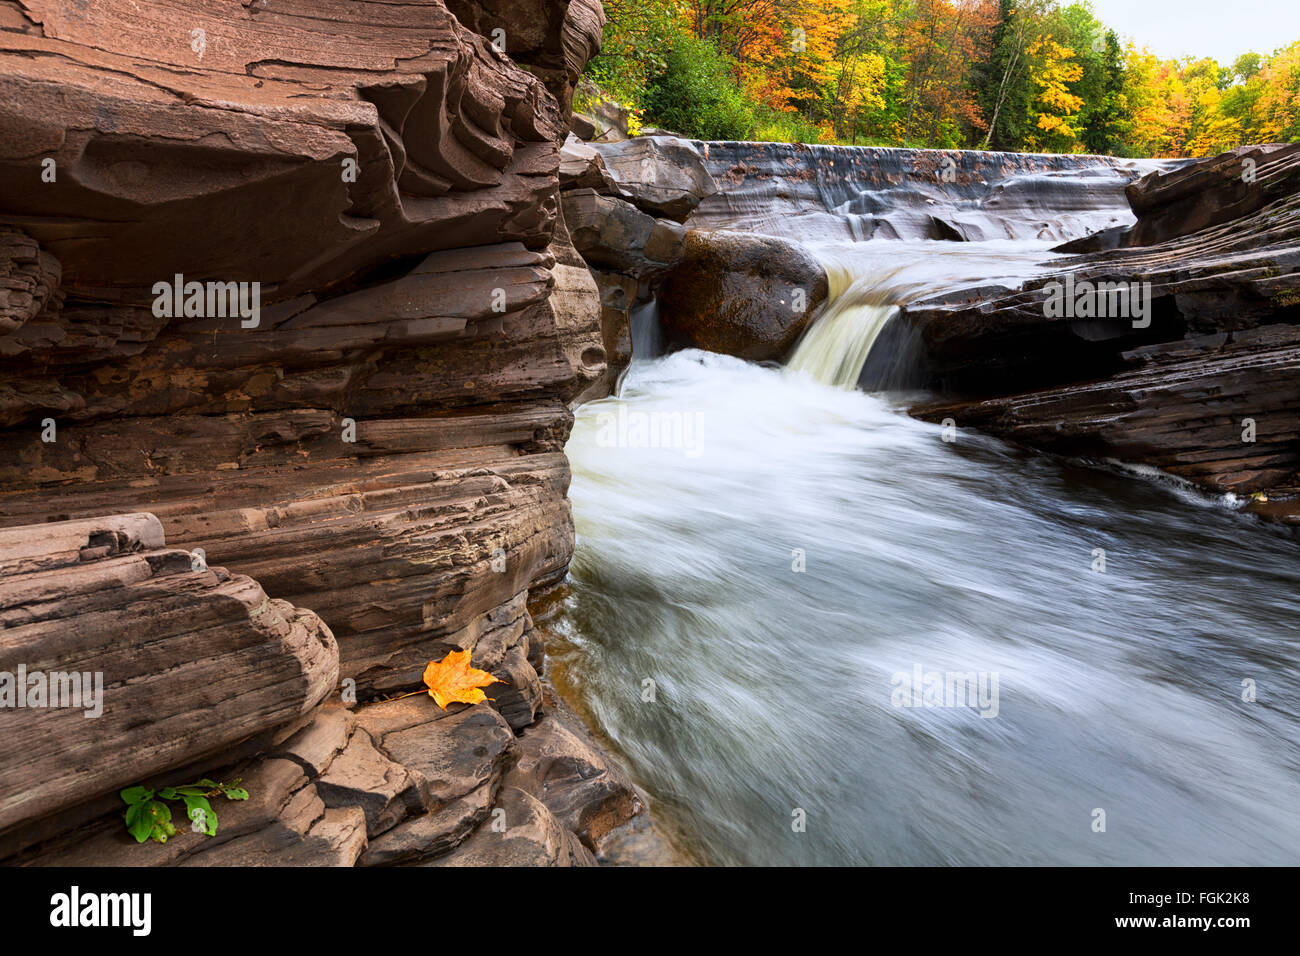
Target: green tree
694, 94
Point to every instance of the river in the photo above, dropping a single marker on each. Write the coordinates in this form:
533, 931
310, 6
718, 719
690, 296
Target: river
752, 601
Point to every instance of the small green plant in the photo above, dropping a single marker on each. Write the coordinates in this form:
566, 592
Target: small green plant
149, 817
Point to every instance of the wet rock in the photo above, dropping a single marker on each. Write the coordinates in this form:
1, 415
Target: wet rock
558, 764
1186, 409
660, 175
519, 697
619, 296
527, 835
579, 855
742, 295
1201, 384
844, 193
390, 431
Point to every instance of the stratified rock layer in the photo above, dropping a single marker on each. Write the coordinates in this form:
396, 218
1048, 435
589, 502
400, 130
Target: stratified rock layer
385, 445
143, 659
851, 193
1203, 385
379, 439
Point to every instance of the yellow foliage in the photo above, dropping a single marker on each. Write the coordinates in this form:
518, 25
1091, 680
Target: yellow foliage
453, 680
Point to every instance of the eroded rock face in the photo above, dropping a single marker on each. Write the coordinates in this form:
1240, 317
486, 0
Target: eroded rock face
743, 295
843, 193
663, 175
142, 661
385, 444
554, 38
362, 412
1202, 386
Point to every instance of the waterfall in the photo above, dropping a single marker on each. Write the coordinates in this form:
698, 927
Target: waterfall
834, 349
647, 335
870, 282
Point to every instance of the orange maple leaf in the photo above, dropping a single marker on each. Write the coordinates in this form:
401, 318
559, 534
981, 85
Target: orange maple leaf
452, 679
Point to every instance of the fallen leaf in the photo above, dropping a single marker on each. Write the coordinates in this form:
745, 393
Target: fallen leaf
452, 679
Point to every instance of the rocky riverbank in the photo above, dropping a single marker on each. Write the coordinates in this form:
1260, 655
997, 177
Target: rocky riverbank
258, 509
1203, 385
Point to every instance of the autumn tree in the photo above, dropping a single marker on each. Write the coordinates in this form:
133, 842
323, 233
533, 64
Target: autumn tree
992, 74
1056, 108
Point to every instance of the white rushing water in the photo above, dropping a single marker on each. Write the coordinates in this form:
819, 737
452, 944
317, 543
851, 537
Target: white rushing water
869, 280
781, 556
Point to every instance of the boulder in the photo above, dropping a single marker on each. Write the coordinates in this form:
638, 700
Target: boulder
742, 295
614, 235
156, 660
661, 175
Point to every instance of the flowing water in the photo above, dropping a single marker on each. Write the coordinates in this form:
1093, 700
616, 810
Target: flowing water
767, 563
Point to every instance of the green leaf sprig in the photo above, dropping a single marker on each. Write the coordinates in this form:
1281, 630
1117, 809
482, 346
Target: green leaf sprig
149, 817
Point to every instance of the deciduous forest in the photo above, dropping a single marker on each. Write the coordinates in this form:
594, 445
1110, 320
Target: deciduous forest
1016, 75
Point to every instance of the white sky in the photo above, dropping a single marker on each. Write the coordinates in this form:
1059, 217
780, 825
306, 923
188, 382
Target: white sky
1223, 29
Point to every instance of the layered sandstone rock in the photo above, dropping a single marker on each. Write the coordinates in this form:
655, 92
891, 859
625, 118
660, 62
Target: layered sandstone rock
852, 193
395, 420
1203, 384
363, 410
624, 204
123, 658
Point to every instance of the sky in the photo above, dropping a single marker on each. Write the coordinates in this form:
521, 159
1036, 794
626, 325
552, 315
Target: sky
1223, 29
